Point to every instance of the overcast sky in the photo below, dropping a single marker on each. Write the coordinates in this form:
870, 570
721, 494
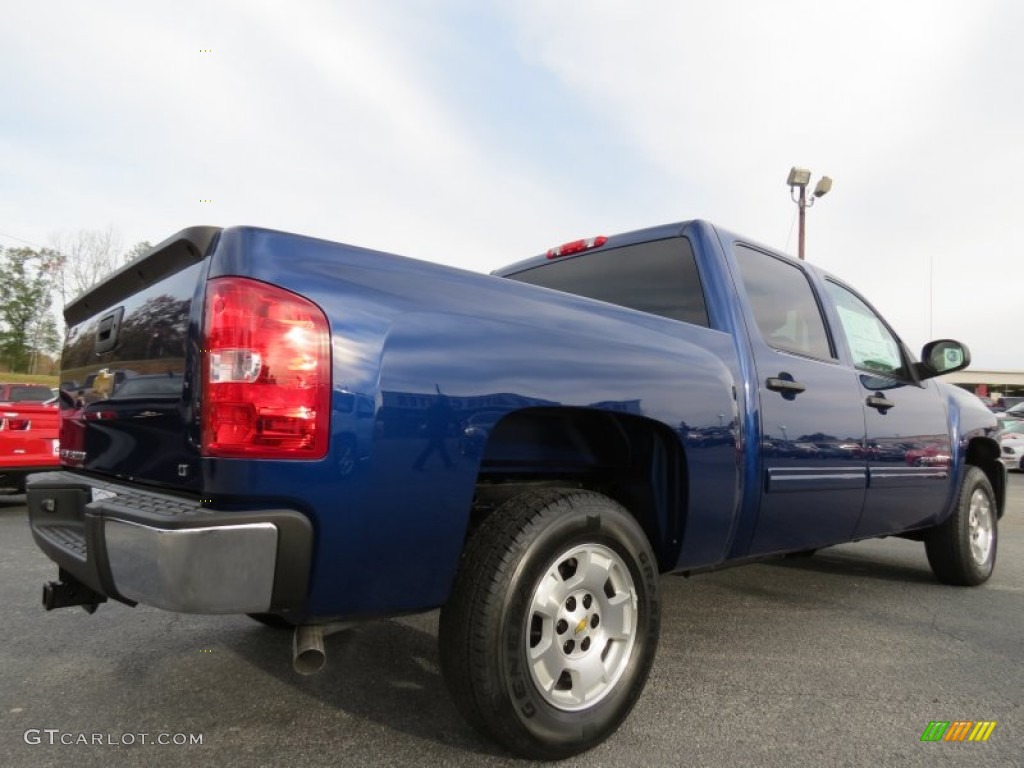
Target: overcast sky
478, 133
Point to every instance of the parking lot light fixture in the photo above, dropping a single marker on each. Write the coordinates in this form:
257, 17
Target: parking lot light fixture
798, 179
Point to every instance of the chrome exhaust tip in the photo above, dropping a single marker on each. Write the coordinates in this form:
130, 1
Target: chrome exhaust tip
308, 654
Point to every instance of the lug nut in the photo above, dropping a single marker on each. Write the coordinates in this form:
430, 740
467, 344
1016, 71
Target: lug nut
585, 645
561, 626
570, 604
587, 600
594, 621
569, 647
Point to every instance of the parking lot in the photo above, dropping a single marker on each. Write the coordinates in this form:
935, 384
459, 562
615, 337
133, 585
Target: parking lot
840, 659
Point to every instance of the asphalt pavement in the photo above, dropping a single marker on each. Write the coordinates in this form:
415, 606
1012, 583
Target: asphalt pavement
840, 659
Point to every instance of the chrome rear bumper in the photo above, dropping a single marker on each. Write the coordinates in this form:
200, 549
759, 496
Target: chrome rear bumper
217, 569
138, 545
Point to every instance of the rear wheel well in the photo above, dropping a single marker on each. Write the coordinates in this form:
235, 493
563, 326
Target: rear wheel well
631, 459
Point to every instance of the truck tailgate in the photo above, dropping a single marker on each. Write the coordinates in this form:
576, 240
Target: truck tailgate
131, 349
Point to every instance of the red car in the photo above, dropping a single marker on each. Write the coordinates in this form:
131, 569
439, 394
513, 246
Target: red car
28, 439
931, 455
25, 393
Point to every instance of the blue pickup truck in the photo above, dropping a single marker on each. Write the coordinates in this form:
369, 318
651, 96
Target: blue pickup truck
313, 434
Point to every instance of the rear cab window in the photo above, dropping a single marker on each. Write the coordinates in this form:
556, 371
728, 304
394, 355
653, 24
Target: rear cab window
658, 277
26, 394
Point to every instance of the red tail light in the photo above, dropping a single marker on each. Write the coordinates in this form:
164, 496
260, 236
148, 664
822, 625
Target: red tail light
266, 373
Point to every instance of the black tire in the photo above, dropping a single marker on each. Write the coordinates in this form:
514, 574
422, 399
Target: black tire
544, 542
962, 551
271, 620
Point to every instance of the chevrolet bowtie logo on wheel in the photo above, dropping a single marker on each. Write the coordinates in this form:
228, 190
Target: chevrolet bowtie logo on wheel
958, 730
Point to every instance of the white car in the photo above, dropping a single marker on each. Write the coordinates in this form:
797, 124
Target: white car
1012, 451
1012, 407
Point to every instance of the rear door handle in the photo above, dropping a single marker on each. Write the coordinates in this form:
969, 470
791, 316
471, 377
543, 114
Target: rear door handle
789, 388
880, 402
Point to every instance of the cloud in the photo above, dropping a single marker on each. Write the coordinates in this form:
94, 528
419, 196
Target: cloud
908, 106
315, 118
478, 134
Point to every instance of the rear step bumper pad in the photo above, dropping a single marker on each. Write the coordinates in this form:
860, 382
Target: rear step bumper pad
172, 552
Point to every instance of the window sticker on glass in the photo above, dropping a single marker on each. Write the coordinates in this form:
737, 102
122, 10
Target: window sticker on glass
872, 346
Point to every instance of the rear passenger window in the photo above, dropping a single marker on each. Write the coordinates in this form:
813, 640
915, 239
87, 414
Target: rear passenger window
658, 277
783, 304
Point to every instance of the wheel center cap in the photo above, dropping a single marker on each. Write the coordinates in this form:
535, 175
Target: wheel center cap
580, 626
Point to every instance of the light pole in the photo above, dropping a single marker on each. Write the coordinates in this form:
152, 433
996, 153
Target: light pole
799, 178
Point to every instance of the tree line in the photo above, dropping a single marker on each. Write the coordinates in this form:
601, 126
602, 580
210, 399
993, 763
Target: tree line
36, 283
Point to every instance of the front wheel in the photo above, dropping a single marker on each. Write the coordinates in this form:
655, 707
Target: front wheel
962, 551
553, 623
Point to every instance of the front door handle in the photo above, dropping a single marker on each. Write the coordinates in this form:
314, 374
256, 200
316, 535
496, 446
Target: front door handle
880, 402
787, 387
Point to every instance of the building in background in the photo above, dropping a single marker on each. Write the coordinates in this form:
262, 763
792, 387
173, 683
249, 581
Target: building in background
992, 384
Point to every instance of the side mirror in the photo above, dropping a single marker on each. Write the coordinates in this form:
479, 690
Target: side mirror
942, 356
